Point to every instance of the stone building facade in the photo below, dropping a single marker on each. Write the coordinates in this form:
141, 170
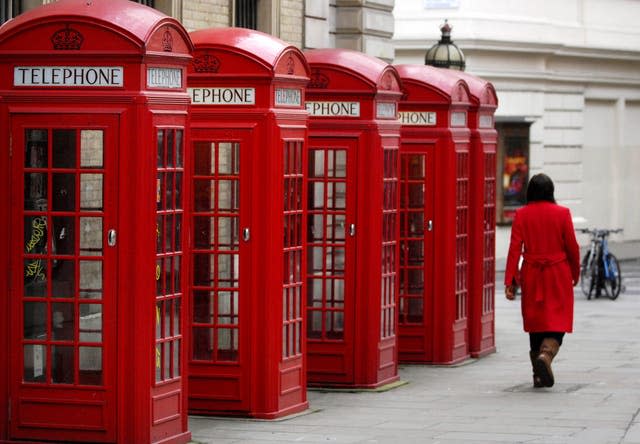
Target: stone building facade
566, 74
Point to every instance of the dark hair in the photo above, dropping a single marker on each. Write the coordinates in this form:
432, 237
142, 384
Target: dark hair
540, 188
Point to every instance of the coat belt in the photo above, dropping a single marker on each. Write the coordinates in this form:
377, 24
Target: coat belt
541, 262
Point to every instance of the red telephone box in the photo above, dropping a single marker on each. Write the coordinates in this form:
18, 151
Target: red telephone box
94, 110
352, 219
434, 208
482, 215
249, 135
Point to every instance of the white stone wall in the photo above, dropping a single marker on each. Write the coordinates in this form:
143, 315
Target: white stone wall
571, 68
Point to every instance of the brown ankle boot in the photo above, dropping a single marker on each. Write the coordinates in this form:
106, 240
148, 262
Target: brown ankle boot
542, 364
537, 382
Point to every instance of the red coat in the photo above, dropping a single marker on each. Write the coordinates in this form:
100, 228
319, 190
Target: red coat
542, 232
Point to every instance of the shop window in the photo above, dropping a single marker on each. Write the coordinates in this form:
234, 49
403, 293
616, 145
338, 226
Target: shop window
513, 168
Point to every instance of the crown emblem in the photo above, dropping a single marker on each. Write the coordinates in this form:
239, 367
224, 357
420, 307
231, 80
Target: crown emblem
206, 63
167, 41
67, 38
318, 80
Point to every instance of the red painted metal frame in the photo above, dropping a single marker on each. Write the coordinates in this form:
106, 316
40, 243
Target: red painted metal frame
443, 336
267, 378
482, 215
366, 356
118, 33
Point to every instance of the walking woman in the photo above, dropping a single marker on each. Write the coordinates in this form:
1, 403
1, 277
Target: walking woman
542, 233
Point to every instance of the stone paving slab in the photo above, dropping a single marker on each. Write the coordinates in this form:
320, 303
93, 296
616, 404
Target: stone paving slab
596, 398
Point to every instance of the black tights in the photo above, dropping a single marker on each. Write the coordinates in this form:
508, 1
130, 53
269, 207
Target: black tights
535, 339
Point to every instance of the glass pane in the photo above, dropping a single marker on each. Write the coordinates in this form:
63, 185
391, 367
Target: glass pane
35, 320
177, 306
228, 197
35, 277
64, 192
228, 233
62, 321
340, 167
91, 192
203, 232
178, 233
416, 223
35, 363
64, 148
203, 306
160, 204
91, 279
64, 229
178, 191
228, 158
203, 158
91, 148
91, 236
168, 275
415, 310
228, 270
168, 314
415, 166
203, 269
170, 148
63, 279
227, 344
36, 151
176, 275
335, 227
90, 323
416, 195
415, 281
159, 231
316, 163
334, 324
159, 281
35, 191
203, 195
35, 234
158, 362
159, 306
335, 260
314, 292
316, 195
62, 364
314, 324
315, 227
179, 149
160, 136
90, 362
168, 201
166, 355
168, 233
415, 252
176, 358
202, 343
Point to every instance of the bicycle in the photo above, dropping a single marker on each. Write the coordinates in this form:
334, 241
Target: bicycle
600, 268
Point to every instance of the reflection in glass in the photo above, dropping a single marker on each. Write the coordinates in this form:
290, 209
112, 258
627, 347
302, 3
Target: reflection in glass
35, 363
64, 148
179, 149
203, 158
35, 191
35, 320
62, 321
228, 158
64, 192
228, 233
228, 195
316, 163
314, 324
316, 195
178, 191
203, 265
91, 190
36, 152
228, 270
170, 148
203, 306
315, 227
90, 365
64, 235
202, 343
62, 359
160, 137
91, 148
90, 279
203, 195
63, 279
415, 166
227, 344
90, 323
416, 195
91, 236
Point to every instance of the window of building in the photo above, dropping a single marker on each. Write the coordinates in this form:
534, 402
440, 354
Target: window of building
150, 3
246, 14
513, 168
9, 9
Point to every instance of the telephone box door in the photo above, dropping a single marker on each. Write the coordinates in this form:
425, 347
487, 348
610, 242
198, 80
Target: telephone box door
416, 253
330, 259
220, 304
63, 262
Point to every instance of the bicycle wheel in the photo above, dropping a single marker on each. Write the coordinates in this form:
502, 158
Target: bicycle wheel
588, 275
613, 279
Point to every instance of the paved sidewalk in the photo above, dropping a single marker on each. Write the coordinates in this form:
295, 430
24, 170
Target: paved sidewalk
596, 398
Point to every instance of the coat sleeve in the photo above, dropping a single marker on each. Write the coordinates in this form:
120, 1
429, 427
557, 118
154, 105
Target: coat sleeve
515, 250
571, 247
